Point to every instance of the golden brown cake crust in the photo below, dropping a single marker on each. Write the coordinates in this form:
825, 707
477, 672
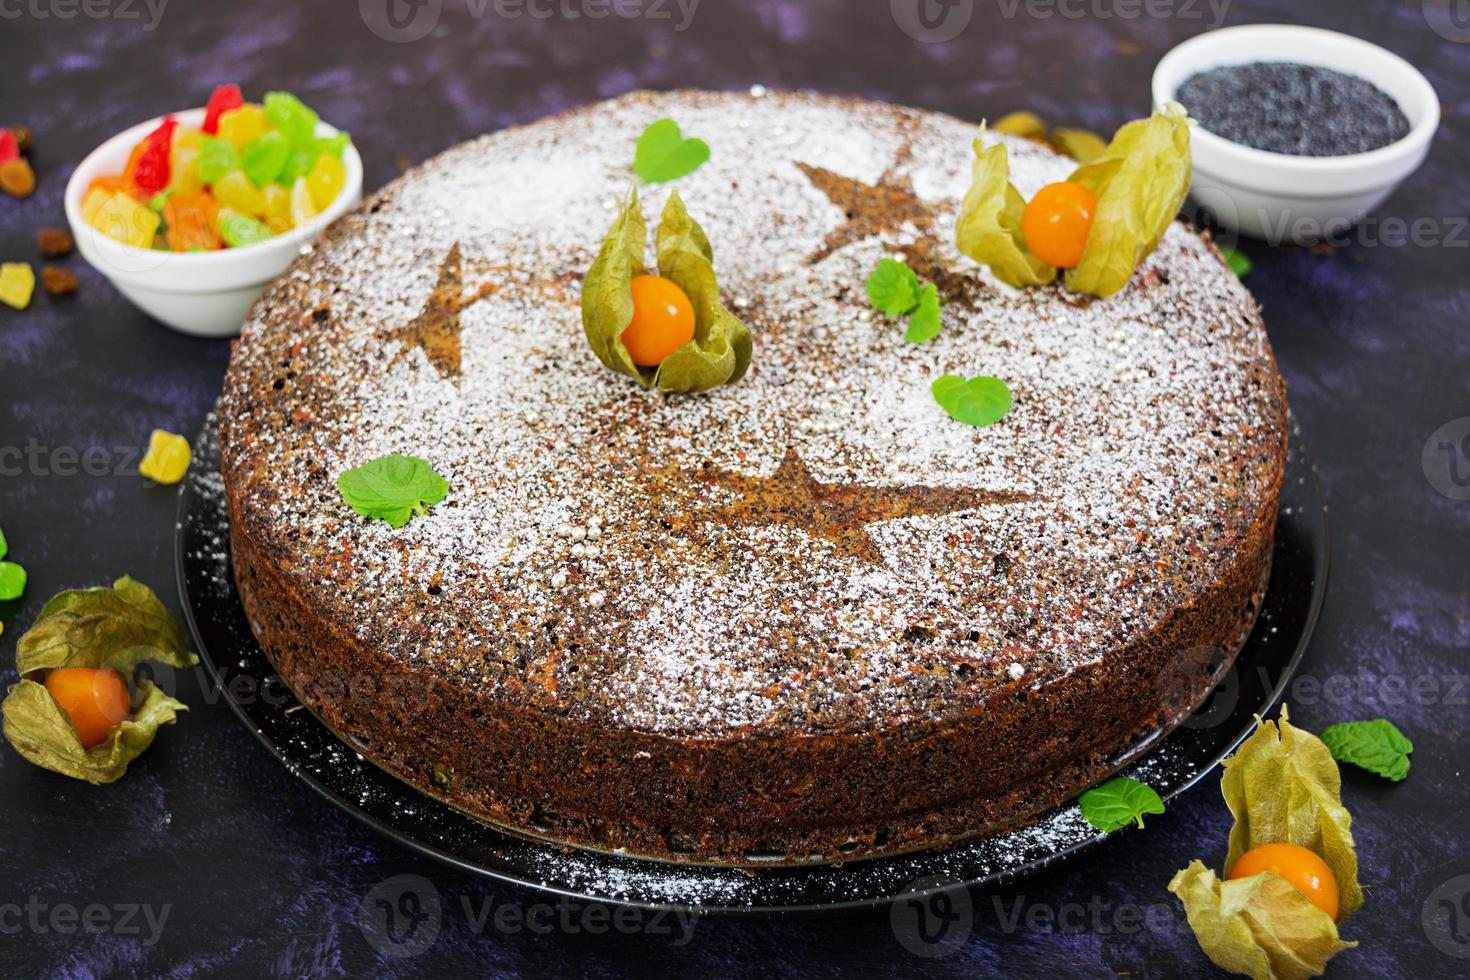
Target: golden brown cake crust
804, 617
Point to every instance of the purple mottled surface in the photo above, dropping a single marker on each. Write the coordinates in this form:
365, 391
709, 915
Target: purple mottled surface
257, 876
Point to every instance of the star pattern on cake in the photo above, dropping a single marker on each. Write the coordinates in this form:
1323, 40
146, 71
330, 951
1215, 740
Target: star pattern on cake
838, 513
870, 208
436, 329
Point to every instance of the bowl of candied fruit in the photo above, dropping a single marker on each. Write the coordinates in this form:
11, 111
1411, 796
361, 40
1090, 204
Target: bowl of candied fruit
190, 215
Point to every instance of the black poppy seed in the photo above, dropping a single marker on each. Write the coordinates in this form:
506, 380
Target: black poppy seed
1303, 110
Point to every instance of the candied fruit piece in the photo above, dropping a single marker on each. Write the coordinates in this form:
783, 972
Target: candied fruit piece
243, 126
167, 459
239, 230
235, 190
216, 158
191, 223
277, 208
150, 170
17, 178
221, 100
292, 117
303, 209
327, 178
264, 158
17, 283
123, 218
9, 147
183, 162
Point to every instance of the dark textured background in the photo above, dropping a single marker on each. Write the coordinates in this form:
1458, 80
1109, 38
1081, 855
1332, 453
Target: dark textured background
261, 877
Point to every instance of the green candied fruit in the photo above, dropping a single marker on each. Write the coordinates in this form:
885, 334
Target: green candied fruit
291, 116
239, 230
298, 164
216, 158
265, 157
332, 145
156, 202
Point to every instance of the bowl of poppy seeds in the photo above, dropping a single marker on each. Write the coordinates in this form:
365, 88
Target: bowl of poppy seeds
1300, 132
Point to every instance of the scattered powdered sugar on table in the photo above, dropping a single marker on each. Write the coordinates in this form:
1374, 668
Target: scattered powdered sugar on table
552, 569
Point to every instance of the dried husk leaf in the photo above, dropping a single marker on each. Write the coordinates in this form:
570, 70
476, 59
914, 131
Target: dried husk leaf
721, 348
42, 732
1082, 145
1027, 125
607, 299
1140, 181
1260, 926
1283, 787
119, 627
988, 228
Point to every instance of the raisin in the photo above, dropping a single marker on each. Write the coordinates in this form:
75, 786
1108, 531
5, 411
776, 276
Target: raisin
53, 242
22, 136
17, 178
58, 281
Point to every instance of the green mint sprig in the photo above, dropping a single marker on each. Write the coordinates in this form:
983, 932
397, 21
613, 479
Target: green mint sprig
1117, 803
895, 291
393, 488
663, 154
1377, 746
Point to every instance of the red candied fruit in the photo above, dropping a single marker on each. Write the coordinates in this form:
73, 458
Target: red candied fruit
151, 170
221, 100
9, 148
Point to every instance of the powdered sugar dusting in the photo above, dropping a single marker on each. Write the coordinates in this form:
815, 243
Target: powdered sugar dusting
1142, 428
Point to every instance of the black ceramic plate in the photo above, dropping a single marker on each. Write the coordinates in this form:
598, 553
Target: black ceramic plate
337, 771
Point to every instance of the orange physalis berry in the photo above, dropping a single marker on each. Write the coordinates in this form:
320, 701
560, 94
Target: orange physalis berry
1056, 222
96, 698
663, 320
1302, 867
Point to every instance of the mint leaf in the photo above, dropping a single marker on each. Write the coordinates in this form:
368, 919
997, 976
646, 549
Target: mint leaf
1377, 746
663, 154
925, 322
979, 401
1239, 264
1117, 803
393, 488
12, 581
893, 288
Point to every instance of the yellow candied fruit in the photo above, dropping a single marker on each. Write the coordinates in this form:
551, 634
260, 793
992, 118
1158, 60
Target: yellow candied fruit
277, 208
243, 125
327, 178
183, 162
236, 190
93, 202
303, 209
126, 220
17, 283
167, 459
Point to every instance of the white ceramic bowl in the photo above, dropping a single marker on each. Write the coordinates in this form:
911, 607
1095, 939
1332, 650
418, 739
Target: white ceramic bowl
1279, 197
202, 293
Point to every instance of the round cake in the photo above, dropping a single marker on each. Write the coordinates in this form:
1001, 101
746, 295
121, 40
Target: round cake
803, 617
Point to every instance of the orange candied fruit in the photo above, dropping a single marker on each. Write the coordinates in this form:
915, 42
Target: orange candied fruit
1056, 222
96, 698
1307, 872
663, 320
